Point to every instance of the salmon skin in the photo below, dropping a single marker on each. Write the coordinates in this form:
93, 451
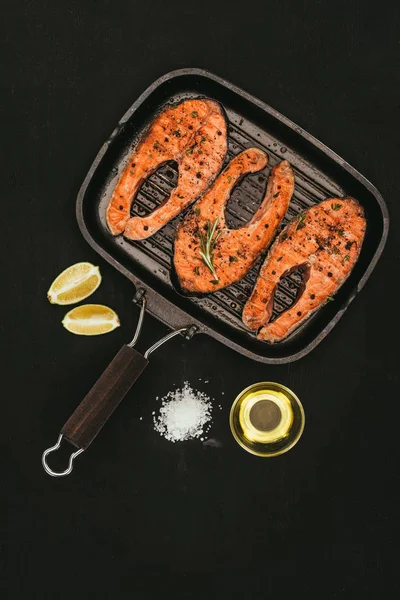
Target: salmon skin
326, 241
232, 251
193, 133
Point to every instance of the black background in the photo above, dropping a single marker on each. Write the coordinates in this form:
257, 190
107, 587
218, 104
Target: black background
141, 517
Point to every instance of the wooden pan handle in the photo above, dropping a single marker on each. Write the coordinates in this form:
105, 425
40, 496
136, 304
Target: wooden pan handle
104, 397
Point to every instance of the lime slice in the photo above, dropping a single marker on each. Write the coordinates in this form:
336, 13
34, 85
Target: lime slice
91, 319
74, 284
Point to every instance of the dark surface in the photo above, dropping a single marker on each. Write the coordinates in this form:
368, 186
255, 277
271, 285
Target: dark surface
319, 174
141, 517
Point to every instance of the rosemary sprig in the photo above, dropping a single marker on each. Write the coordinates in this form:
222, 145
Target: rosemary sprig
207, 245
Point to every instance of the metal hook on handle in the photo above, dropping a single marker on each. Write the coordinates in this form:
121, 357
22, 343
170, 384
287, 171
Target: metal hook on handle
156, 345
167, 337
140, 322
53, 449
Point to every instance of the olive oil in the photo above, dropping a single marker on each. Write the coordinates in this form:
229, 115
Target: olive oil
267, 419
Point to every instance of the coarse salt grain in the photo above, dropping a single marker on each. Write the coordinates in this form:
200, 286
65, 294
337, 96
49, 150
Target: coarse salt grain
184, 414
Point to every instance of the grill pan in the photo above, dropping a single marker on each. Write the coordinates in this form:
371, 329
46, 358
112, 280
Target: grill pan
319, 174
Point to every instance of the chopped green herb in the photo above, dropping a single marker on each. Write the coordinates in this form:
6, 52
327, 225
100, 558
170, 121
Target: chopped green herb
336, 206
150, 154
197, 270
279, 259
276, 195
330, 298
189, 150
197, 211
194, 113
349, 245
200, 152
214, 281
300, 222
233, 259
203, 139
176, 133
155, 145
340, 232
229, 178
345, 258
180, 196
335, 250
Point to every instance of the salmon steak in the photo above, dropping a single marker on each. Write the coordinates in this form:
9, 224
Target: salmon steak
325, 241
192, 133
208, 255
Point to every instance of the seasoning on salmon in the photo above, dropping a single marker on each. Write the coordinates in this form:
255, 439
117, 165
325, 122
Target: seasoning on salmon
208, 255
325, 241
192, 133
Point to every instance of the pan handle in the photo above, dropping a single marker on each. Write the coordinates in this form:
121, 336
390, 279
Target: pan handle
98, 405
104, 397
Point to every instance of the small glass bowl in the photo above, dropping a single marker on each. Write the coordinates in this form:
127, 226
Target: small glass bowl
267, 419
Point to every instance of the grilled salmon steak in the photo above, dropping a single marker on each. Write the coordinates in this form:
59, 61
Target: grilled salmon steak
326, 241
192, 133
208, 255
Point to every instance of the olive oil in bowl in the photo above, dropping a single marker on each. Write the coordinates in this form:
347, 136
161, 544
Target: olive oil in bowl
267, 419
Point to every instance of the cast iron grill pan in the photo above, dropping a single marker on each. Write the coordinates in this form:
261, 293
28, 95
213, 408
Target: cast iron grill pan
319, 173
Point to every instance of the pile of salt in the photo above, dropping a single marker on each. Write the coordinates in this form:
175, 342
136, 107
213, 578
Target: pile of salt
184, 414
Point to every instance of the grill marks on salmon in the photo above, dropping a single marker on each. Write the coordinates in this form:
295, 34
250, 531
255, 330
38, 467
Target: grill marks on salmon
235, 250
326, 241
192, 133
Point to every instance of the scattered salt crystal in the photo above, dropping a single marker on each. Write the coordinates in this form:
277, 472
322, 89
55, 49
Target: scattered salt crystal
184, 414
141, 419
